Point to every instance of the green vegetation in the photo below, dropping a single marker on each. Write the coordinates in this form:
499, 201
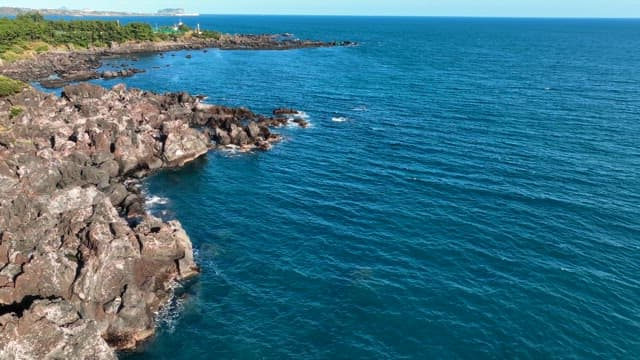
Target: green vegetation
18, 35
30, 34
208, 34
9, 86
15, 112
181, 29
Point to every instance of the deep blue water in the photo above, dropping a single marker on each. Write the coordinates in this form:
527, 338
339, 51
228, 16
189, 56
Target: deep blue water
481, 200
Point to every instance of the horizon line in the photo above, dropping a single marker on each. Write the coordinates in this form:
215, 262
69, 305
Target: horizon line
426, 16
559, 17
132, 13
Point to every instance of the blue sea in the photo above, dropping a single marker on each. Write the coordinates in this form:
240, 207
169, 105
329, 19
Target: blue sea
468, 189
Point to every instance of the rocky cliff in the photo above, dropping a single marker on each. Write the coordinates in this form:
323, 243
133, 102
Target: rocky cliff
83, 267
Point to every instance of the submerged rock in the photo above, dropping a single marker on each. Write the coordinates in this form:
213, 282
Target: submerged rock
301, 122
284, 111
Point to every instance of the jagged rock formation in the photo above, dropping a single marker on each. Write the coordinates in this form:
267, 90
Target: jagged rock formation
83, 267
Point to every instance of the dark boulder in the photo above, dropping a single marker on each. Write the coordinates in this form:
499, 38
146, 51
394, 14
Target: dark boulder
117, 194
238, 136
81, 75
78, 92
301, 122
222, 137
284, 111
109, 74
53, 83
253, 130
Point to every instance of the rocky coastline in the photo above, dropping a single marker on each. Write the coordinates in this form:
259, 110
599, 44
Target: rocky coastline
58, 68
83, 267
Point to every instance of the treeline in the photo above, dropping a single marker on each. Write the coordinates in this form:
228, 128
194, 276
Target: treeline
32, 27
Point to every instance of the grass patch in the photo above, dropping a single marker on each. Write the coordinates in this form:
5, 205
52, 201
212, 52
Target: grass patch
15, 112
9, 86
42, 48
10, 56
18, 49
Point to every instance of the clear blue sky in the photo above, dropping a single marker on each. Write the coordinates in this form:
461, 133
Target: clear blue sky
533, 8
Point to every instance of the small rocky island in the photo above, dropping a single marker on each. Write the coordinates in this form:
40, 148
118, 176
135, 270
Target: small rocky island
84, 268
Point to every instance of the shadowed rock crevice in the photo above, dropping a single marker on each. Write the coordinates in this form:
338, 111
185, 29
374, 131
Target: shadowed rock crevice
18, 308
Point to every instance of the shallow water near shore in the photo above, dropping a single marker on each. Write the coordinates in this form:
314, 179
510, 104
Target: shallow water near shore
469, 188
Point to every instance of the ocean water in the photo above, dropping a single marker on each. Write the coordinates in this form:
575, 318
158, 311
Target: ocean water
469, 188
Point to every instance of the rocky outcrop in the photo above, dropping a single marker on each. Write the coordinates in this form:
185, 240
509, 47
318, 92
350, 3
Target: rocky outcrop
51, 329
57, 69
128, 72
83, 266
63, 66
62, 78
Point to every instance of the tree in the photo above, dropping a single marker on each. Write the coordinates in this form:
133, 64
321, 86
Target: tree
31, 16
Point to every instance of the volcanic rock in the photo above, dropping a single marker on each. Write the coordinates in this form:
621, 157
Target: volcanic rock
83, 266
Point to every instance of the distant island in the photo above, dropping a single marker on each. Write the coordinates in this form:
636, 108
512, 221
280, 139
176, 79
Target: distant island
174, 12
14, 11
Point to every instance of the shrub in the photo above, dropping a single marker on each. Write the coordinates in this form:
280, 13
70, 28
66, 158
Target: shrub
31, 16
9, 86
208, 34
10, 56
15, 112
42, 48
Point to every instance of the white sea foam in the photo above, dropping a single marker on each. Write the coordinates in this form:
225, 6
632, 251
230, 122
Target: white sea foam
360, 108
156, 200
167, 317
339, 119
166, 214
299, 115
294, 125
230, 148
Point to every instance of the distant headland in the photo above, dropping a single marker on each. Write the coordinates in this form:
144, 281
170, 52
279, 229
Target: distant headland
13, 11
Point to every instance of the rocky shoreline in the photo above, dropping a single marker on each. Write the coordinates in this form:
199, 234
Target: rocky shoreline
83, 267
56, 69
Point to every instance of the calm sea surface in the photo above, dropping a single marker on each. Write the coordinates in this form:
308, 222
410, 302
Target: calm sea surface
469, 188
